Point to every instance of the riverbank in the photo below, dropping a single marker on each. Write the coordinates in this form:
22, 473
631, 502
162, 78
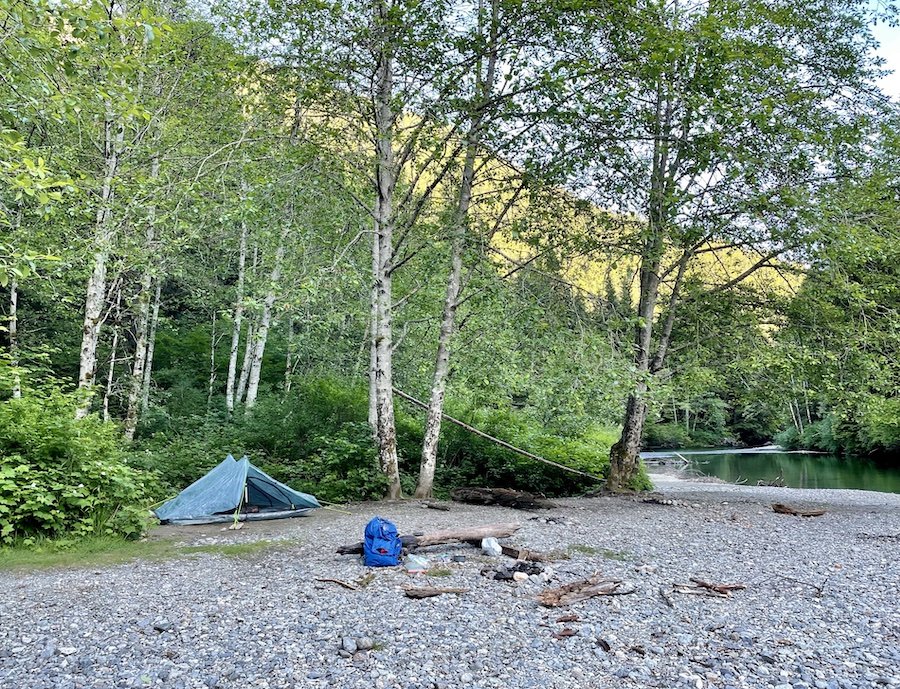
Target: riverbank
820, 609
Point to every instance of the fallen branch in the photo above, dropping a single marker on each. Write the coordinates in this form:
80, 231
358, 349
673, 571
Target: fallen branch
430, 591
698, 587
523, 554
360, 583
878, 537
787, 509
504, 497
667, 599
719, 588
436, 506
819, 589
583, 589
564, 633
692, 590
345, 584
468, 535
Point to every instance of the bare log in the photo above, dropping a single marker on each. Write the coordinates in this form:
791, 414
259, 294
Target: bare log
787, 509
519, 500
468, 535
581, 590
430, 591
523, 554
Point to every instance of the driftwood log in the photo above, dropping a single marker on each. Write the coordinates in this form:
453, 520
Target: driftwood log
430, 591
472, 534
523, 554
581, 590
787, 509
504, 497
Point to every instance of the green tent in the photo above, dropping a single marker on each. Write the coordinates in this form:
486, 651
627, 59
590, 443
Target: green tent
235, 488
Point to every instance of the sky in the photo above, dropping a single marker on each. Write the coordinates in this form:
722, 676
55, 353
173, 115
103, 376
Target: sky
889, 37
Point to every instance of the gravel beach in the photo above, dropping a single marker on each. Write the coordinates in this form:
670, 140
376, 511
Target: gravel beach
821, 608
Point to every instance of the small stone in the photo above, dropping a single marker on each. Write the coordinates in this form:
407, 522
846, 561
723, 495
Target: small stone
163, 625
467, 677
67, 650
348, 643
365, 643
48, 651
344, 654
520, 576
315, 674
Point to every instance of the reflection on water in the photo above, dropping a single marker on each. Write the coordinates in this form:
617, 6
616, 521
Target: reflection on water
797, 469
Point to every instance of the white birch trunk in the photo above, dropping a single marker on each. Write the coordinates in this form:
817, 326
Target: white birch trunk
113, 136
111, 372
13, 329
237, 319
373, 340
142, 322
425, 485
151, 343
249, 344
213, 342
384, 220
265, 320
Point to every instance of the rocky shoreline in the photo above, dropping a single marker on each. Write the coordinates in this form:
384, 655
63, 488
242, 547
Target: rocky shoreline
820, 608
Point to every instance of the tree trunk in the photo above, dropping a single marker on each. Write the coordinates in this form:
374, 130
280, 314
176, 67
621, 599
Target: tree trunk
289, 356
111, 372
142, 321
237, 322
249, 344
265, 320
373, 339
385, 174
151, 344
113, 136
425, 485
432, 434
624, 454
213, 343
13, 328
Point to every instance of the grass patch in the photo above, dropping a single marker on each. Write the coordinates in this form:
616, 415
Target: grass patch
620, 555
439, 572
582, 549
105, 551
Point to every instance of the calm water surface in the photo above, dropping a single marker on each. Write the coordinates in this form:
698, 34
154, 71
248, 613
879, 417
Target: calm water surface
798, 469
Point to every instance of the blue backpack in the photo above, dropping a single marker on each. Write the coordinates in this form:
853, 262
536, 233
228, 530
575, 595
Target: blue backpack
381, 544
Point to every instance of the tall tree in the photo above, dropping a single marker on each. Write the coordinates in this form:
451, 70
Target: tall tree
730, 115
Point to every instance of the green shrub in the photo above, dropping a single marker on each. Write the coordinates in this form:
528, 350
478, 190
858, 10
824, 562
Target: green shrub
342, 468
666, 436
317, 439
62, 477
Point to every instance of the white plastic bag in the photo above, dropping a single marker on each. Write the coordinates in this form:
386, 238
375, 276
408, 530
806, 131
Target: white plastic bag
416, 564
490, 546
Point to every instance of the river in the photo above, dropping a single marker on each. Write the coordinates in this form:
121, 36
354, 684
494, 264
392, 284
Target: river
795, 469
